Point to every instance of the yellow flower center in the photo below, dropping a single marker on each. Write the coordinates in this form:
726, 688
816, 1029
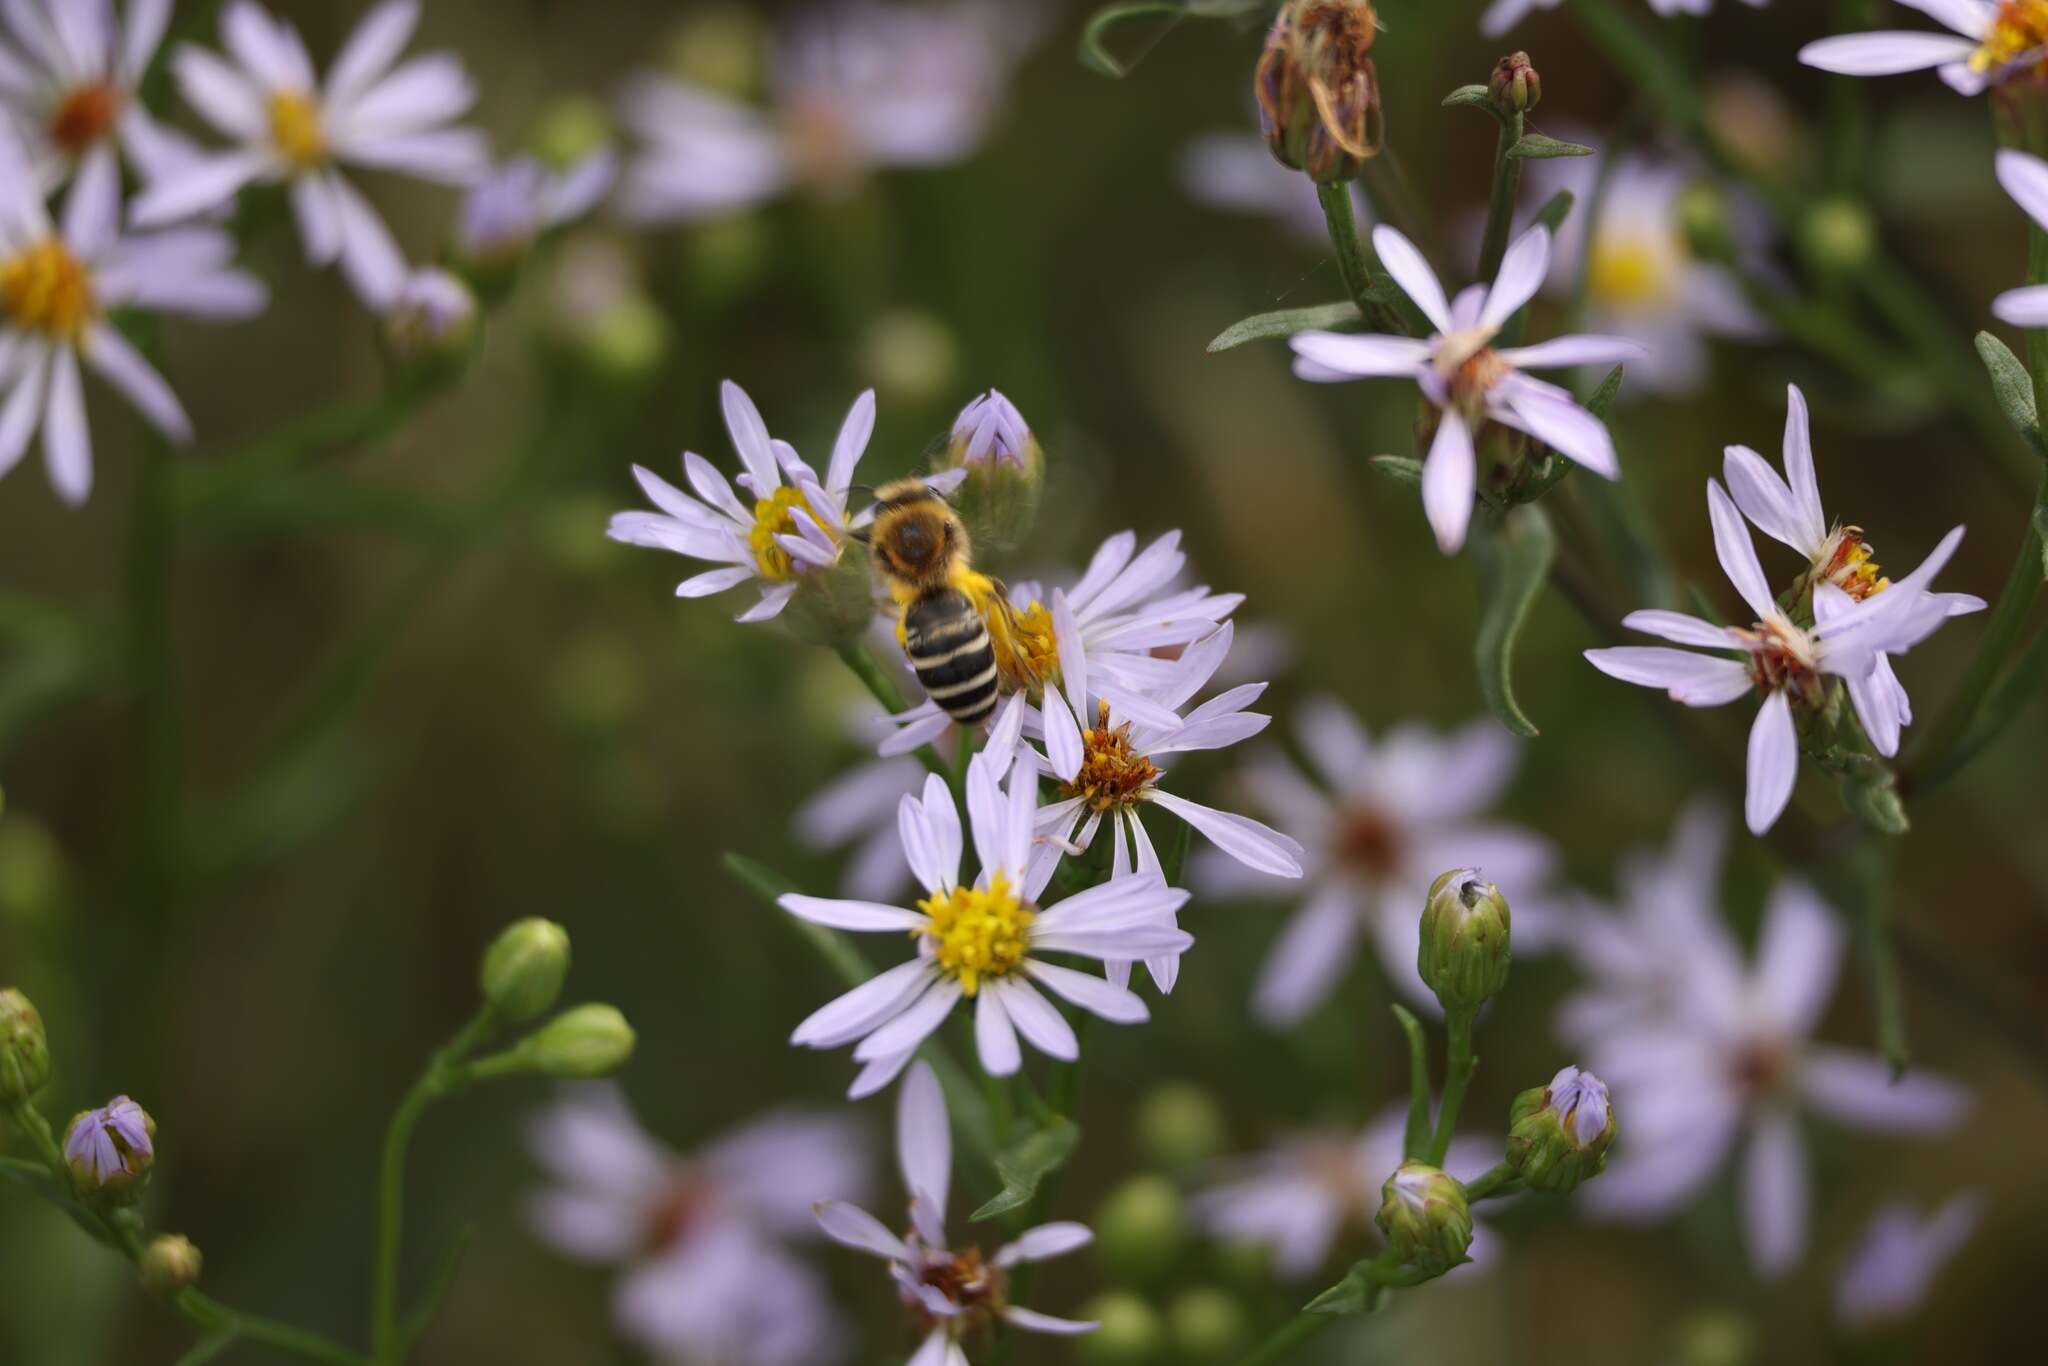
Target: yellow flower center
978, 931
1027, 652
295, 128
83, 117
1629, 271
773, 517
46, 288
1848, 562
1111, 775
2017, 36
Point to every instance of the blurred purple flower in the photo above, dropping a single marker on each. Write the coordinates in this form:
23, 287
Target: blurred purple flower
521, 199
102, 1144
1889, 1274
1396, 813
1731, 1063
1236, 173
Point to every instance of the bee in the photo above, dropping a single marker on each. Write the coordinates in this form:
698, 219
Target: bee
947, 611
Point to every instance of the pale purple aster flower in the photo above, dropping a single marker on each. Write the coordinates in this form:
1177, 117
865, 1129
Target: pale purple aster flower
64, 277
1581, 1098
1299, 1196
110, 1143
1987, 43
69, 75
1642, 279
520, 199
703, 1238
1392, 815
990, 431
1110, 767
1787, 509
1734, 1065
1112, 629
855, 87
1785, 661
953, 1294
1236, 172
797, 522
1502, 15
289, 126
986, 942
1887, 1277
1468, 381
433, 305
2025, 177
1667, 8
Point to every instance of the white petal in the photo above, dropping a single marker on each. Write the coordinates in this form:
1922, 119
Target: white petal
854, 1013
1037, 1019
24, 408
269, 49
1737, 553
1773, 764
2023, 307
1361, 356
714, 581
371, 49
108, 352
995, 1039
851, 443
850, 915
1031, 1321
1063, 745
319, 218
1677, 626
1799, 471
1558, 422
92, 207
222, 94
1858, 1090
773, 600
1765, 499
67, 444
1971, 18
143, 33
204, 185
1559, 352
1257, 846
1412, 273
1774, 1195
912, 1027
1521, 274
1448, 478
1044, 1243
924, 1139
1798, 955
856, 1228
1092, 994
1695, 680
1884, 54
1313, 953
749, 437
369, 257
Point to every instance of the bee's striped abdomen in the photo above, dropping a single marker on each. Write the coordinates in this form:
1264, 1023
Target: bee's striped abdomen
948, 646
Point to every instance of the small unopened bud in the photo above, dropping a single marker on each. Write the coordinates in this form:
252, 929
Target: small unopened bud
1207, 1325
570, 129
1139, 1230
1837, 237
1515, 86
1464, 953
1425, 1218
1558, 1135
24, 1049
523, 969
433, 319
1005, 470
589, 1041
1703, 218
110, 1151
170, 1263
1317, 90
1129, 1332
1179, 1125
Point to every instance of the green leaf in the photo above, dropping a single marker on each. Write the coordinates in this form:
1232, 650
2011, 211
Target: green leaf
1513, 566
1095, 53
1355, 1294
210, 1346
1471, 97
1536, 147
1603, 397
1284, 323
2013, 387
1024, 1164
1415, 1137
1555, 210
1398, 468
1875, 802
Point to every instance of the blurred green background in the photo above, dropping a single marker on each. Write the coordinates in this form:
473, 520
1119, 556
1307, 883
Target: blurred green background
399, 730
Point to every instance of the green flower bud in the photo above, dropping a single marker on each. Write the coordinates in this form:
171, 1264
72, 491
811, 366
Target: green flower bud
1317, 89
627, 343
110, 1151
1558, 1135
1130, 1333
170, 1263
1515, 87
1207, 1325
571, 129
523, 969
33, 874
588, 1041
1140, 1229
24, 1049
1837, 237
1179, 1125
1425, 1218
1464, 952
1703, 218
1005, 471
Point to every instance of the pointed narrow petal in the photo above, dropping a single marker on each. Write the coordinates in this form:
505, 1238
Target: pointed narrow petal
1737, 553
1412, 273
849, 915
924, 1139
1521, 274
1799, 471
1774, 1195
1885, 54
856, 1228
1448, 478
1773, 764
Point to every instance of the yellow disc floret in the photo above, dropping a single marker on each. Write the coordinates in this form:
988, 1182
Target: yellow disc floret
1849, 563
2017, 36
295, 128
1629, 271
46, 288
1027, 651
1111, 775
773, 516
978, 932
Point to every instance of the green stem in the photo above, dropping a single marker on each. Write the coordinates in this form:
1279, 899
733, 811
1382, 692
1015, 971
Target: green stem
1500, 206
444, 1073
1415, 1139
1352, 263
1290, 1335
1498, 1180
1457, 1076
210, 1314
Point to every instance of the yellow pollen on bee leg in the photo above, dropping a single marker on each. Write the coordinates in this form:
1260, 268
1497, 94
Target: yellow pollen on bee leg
978, 932
773, 517
46, 288
295, 129
1027, 650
